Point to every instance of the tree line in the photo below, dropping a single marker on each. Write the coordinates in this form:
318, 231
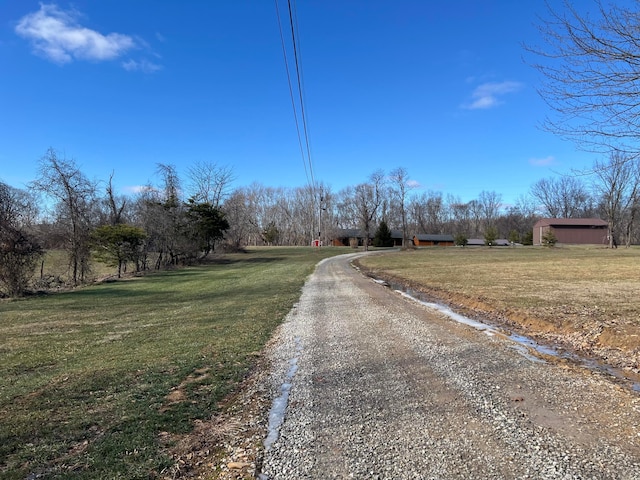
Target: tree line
181, 221
157, 228
589, 65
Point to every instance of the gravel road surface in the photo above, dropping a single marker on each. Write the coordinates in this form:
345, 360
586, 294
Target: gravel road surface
380, 387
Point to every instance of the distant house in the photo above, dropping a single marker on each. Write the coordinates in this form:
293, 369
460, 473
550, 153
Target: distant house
396, 236
479, 242
429, 240
346, 237
351, 237
572, 230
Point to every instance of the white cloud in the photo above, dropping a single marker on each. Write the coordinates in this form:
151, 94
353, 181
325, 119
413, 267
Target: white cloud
413, 184
56, 35
137, 189
141, 66
488, 95
542, 162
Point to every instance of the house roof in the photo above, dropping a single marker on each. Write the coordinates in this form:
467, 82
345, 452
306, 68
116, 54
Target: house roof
475, 241
428, 237
498, 242
352, 233
396, 233
571, 222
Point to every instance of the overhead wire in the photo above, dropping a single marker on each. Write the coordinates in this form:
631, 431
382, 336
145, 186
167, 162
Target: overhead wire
305, 149
293, 21
307, 162
291, 94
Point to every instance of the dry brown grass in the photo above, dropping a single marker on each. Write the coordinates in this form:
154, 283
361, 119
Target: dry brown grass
585, 298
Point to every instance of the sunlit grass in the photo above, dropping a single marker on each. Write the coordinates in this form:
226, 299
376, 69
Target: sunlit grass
85, 375
528, 278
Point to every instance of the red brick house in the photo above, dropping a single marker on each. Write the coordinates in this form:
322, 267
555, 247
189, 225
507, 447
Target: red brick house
572, 230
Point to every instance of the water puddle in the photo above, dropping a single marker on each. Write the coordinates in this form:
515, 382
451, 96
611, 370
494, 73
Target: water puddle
525, 346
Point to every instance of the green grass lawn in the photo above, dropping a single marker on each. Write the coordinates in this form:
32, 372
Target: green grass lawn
89, 378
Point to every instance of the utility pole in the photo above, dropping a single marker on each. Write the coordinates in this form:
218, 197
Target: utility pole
320, 218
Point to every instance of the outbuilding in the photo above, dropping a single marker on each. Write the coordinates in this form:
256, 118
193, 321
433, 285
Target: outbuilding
580, 231
480, 242
351, 237
430, 240
396, 236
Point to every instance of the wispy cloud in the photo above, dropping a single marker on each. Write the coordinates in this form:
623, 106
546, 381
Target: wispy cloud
57, 35
141, 66
489, 95
413, 184
542, 162
135, 189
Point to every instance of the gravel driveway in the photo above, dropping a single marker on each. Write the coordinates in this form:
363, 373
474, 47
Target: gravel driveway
379, 387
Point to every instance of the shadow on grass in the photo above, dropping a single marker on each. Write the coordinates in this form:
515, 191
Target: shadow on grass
249, 260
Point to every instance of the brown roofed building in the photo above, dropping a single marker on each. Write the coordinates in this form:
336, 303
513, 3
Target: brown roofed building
572, 230
429, 240
353, 237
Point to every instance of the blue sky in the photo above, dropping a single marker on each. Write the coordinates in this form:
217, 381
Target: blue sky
440, 88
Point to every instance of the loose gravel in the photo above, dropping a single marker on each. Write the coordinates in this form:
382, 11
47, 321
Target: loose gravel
384, 388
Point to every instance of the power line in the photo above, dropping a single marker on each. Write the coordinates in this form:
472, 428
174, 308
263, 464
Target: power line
296, 55
306, 156
300, 84
293, 102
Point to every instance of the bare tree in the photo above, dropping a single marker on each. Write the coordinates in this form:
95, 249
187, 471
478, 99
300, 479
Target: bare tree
517, 221
475, 217
367, 200
19, 249
427, 212
565, 197
210, 183
240, 209
489, 204
618, 184
460, 215
345, 215
400, 186
74, 194
545, 192
17, 207
590, 64
305, 213
327, 214
171, 217
115, 205
161, 212
436, 211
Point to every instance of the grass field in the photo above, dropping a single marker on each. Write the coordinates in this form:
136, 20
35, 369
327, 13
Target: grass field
89, 378
525, 277
584, 295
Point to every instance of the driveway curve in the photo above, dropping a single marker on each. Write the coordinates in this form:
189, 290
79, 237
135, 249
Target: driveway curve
380, 387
